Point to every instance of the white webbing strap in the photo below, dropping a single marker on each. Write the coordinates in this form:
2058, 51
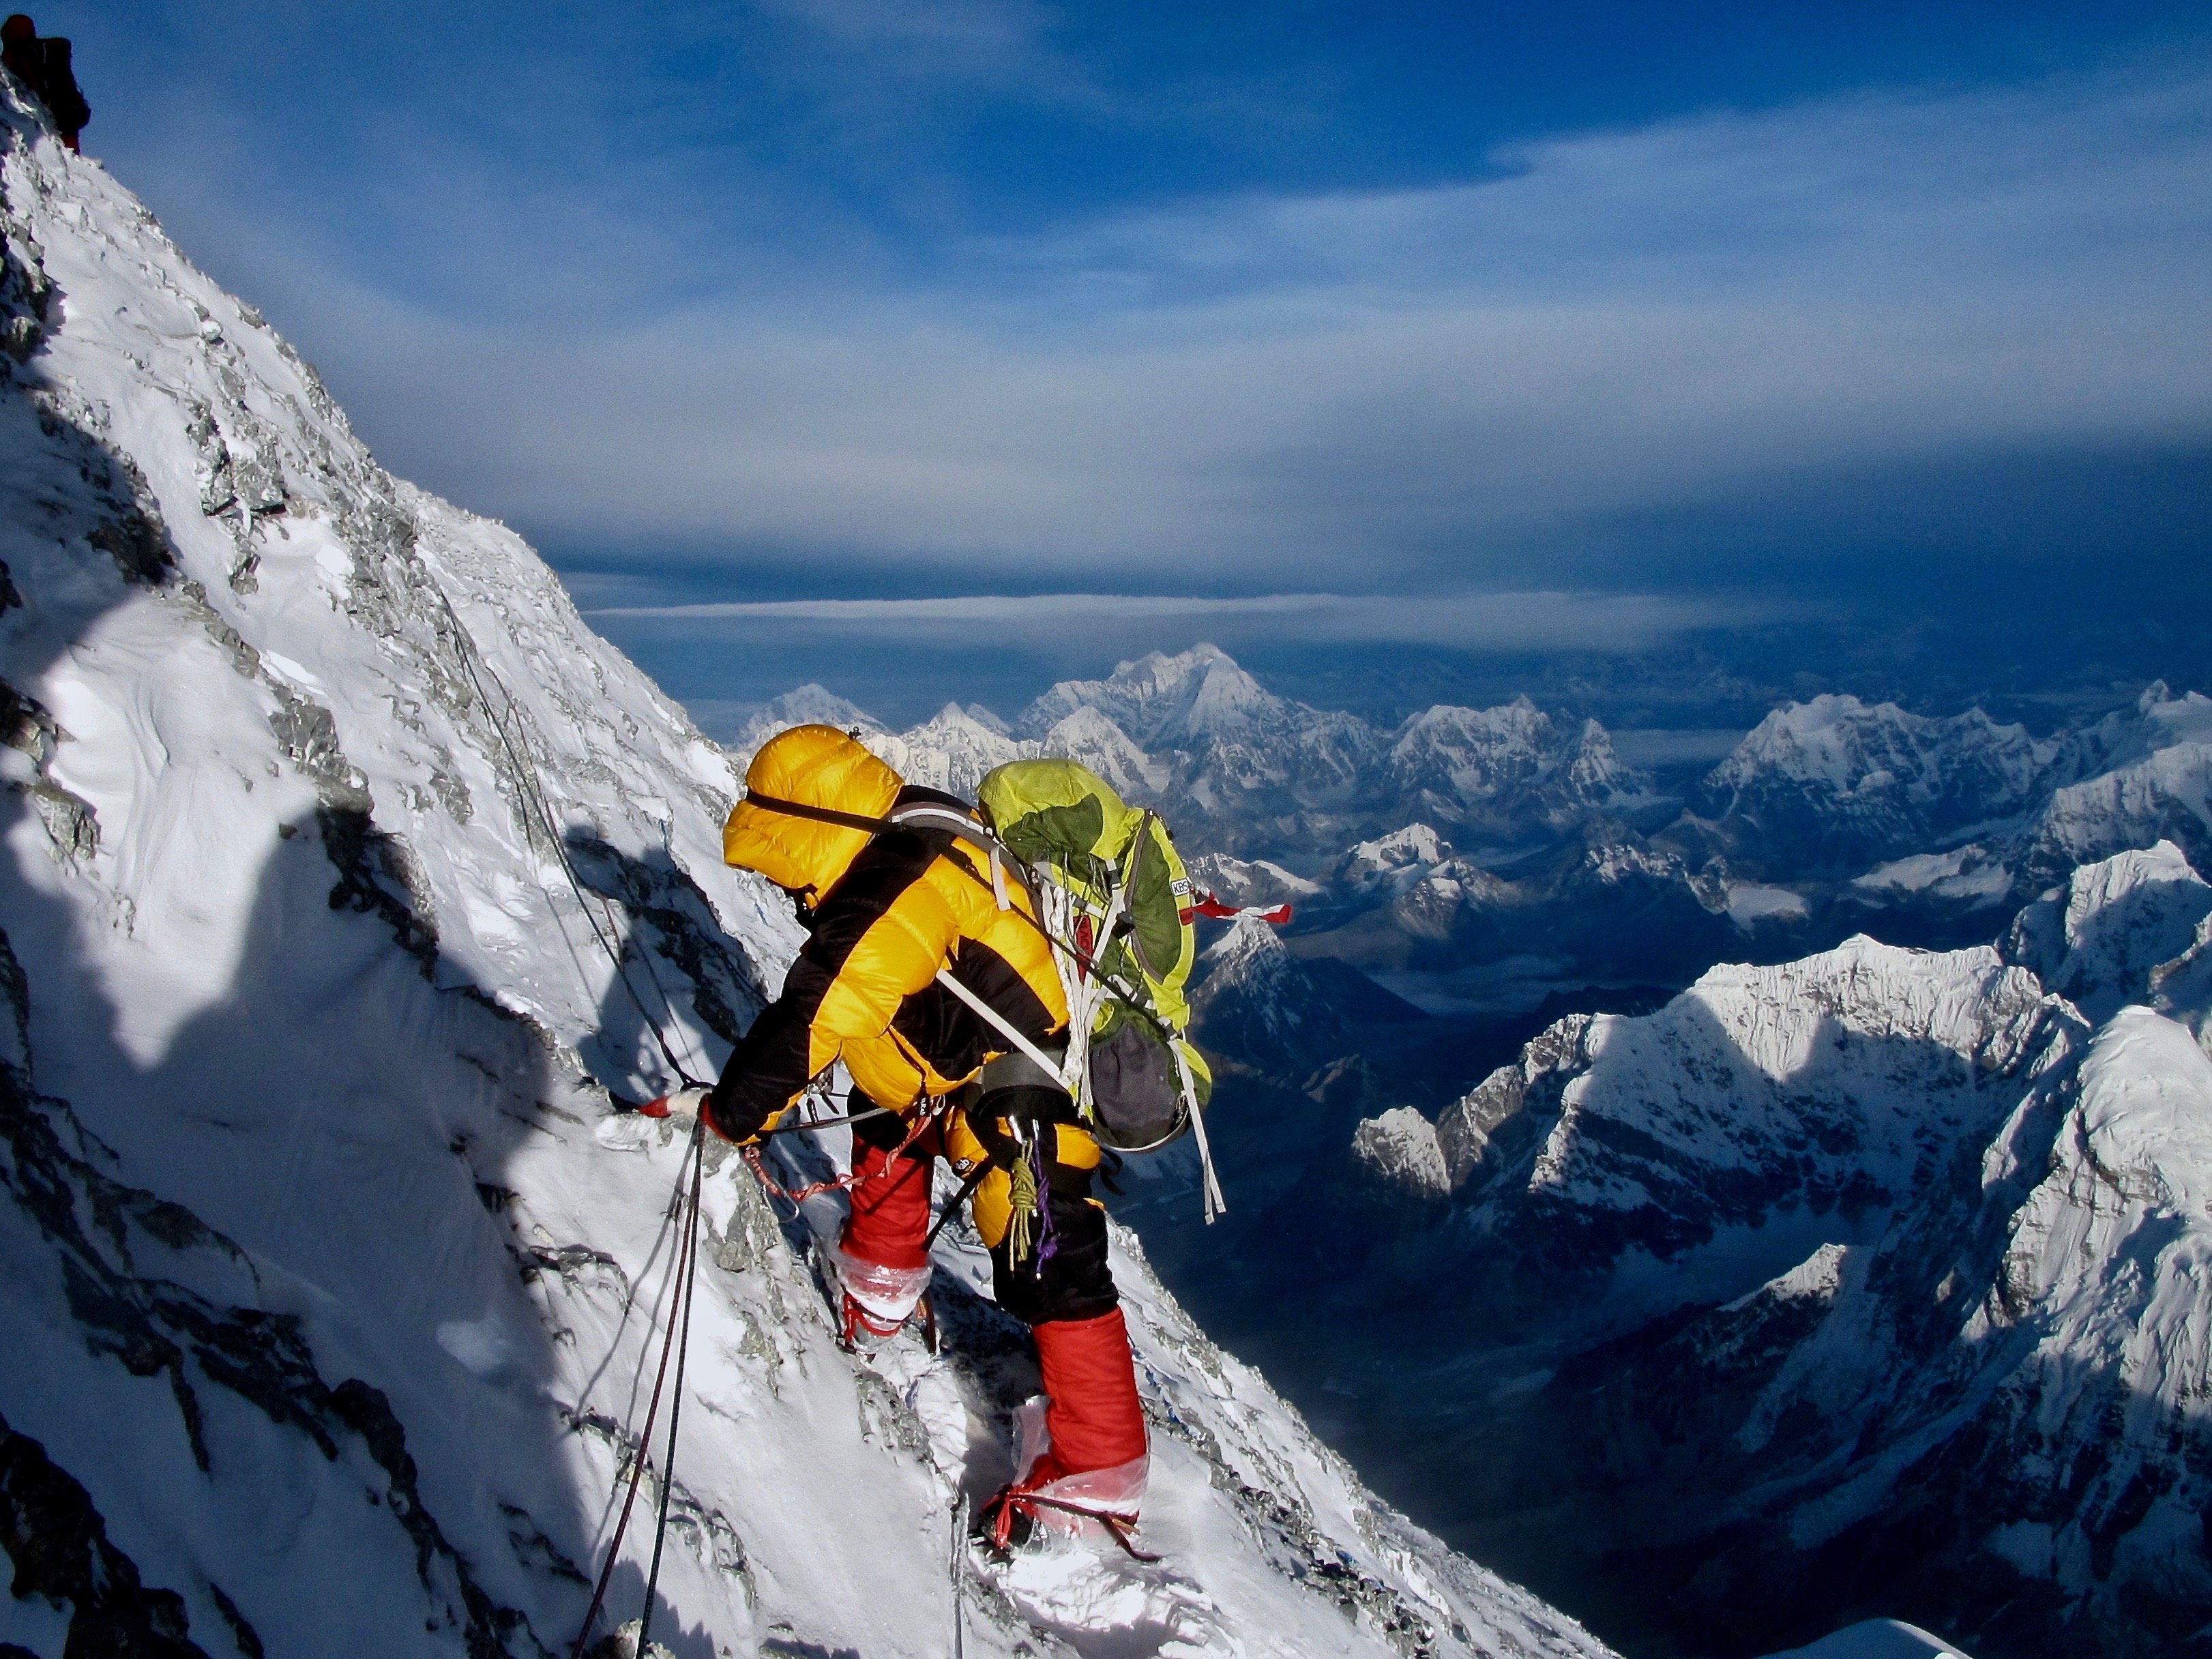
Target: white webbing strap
1052, 1067
1209, 1184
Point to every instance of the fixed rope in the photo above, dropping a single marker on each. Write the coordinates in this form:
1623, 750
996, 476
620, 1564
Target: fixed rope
538, 808
677, 1339
676, 1400
683, 1273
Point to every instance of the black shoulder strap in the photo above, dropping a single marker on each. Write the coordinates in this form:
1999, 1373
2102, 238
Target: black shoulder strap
927, 817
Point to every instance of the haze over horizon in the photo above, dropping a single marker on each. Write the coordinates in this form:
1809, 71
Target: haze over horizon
1661, 366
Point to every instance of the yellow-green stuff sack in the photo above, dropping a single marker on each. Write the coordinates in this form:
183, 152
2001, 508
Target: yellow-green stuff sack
1072, 830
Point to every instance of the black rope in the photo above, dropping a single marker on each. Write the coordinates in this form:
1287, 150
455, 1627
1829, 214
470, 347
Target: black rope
967, 1190
525, 773
690, 1294
687, 1262
682, 1274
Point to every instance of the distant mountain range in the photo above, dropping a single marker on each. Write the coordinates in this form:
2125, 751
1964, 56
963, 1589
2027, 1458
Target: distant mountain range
1483, 858
1865, 1283
1237, 769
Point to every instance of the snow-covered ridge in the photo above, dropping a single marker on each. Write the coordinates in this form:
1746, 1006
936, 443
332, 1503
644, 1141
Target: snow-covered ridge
329, 1314
1836, 783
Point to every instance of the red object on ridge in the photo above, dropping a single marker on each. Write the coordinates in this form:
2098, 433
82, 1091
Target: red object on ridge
890, 1207
1276, 915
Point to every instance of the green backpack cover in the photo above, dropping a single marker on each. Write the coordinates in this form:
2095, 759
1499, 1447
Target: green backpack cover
1125, 898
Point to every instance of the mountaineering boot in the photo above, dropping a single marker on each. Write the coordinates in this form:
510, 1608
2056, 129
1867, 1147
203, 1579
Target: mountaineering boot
1081, 1449
1002, 1526
878, 1266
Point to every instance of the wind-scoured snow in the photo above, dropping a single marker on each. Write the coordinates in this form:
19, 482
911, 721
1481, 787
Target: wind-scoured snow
335, 1280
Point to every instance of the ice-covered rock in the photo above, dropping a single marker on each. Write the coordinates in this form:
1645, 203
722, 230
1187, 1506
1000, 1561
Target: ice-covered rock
1400, 1146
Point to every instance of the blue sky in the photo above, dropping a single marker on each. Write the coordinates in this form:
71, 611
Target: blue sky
1737, 343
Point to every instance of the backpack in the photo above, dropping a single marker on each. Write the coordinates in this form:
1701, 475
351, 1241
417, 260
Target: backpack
1113, 895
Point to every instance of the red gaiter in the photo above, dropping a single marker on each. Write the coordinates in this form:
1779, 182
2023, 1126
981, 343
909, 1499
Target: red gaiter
1095, 1419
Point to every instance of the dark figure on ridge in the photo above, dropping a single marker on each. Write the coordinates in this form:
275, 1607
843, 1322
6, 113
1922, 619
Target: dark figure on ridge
43, 67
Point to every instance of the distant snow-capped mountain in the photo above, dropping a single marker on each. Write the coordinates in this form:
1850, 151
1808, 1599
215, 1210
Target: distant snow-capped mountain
1838, 783
1879, 1267
1240, 769
1835, 786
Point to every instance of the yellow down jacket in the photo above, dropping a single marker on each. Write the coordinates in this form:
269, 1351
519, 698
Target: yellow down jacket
886, 910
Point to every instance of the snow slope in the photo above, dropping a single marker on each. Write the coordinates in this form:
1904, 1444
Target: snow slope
335, 1279
2099, 938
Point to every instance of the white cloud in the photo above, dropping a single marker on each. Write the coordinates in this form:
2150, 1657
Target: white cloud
1496, 623
1333, 391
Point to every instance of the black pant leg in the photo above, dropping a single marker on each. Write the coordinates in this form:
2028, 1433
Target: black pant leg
1075, 1281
